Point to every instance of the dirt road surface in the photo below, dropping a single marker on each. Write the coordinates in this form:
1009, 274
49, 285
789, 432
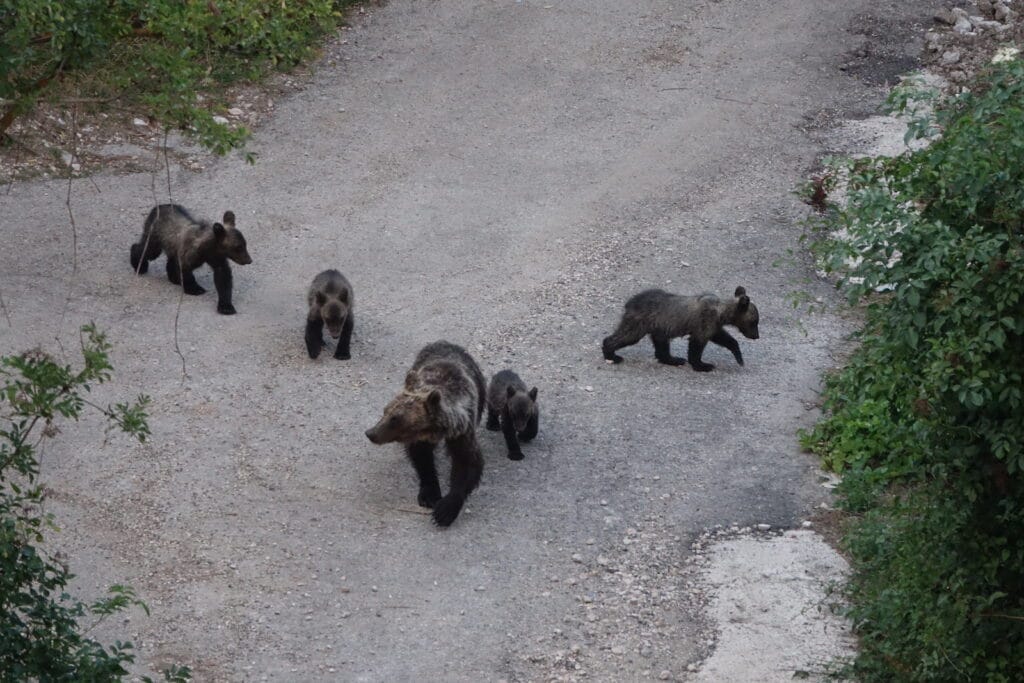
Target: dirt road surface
503, 175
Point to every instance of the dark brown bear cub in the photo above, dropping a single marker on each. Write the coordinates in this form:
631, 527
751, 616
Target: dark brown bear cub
513, 410
665, 316
189, 243
330, 303
443, 399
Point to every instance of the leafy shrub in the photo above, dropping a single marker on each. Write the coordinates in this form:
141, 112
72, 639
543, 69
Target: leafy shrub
41, 634
171, 57
926, 422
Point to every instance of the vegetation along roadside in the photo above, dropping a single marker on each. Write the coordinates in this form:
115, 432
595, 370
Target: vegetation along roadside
925, 423
163, 64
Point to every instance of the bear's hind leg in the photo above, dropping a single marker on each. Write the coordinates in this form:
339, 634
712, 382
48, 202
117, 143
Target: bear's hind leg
663, 352
625, 335
144, 252
189, 284
421, 454
467, 468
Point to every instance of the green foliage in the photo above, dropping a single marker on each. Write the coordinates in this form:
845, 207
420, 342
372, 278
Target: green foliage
170, 57
41, 632
926, 421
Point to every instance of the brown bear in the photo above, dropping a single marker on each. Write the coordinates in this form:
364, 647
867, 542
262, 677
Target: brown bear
330, 302
665, 316
443, 399
189, 243
513, 410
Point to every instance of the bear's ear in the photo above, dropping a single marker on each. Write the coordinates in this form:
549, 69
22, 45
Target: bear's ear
433, 400
739, 292
321, 298
218, 231
744, 303
533, 394
510, 391
410, 379
229, 219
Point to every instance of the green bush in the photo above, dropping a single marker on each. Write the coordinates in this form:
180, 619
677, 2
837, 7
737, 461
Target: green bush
42, 637
170, 58
926, 422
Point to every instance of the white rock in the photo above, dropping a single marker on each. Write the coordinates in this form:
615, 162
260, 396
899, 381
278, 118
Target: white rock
990, 25
665, 675
764, 527
220, 119
139, 122
950, 57
963, 23
1005, 54
235, 111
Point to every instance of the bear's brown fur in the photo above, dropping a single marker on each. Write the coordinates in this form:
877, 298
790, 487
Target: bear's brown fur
665, 316
443, 399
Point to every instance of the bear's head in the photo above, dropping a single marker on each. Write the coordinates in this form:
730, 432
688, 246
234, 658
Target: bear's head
333, 311
411, 416
230, 241
746, 317
522, 406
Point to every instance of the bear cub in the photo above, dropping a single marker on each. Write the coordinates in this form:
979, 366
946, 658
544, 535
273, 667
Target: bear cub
443, 400
330, 303
189, 243
665, 316
513, 410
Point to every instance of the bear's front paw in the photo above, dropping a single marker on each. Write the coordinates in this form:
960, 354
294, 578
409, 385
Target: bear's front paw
194, 290
703, 367
515, 455
343, 356
428, 498
447, 509
226, 309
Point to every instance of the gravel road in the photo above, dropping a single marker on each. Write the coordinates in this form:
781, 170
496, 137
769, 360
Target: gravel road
503, 175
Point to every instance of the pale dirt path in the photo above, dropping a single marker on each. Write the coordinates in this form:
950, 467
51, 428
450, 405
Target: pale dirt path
504, 175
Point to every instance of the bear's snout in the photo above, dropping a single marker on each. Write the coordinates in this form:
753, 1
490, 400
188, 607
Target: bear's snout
372, 435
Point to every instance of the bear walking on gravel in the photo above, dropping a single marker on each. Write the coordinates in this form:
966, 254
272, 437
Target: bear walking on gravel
513, 410
330, 301
189, 243
443, 399
665, 316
